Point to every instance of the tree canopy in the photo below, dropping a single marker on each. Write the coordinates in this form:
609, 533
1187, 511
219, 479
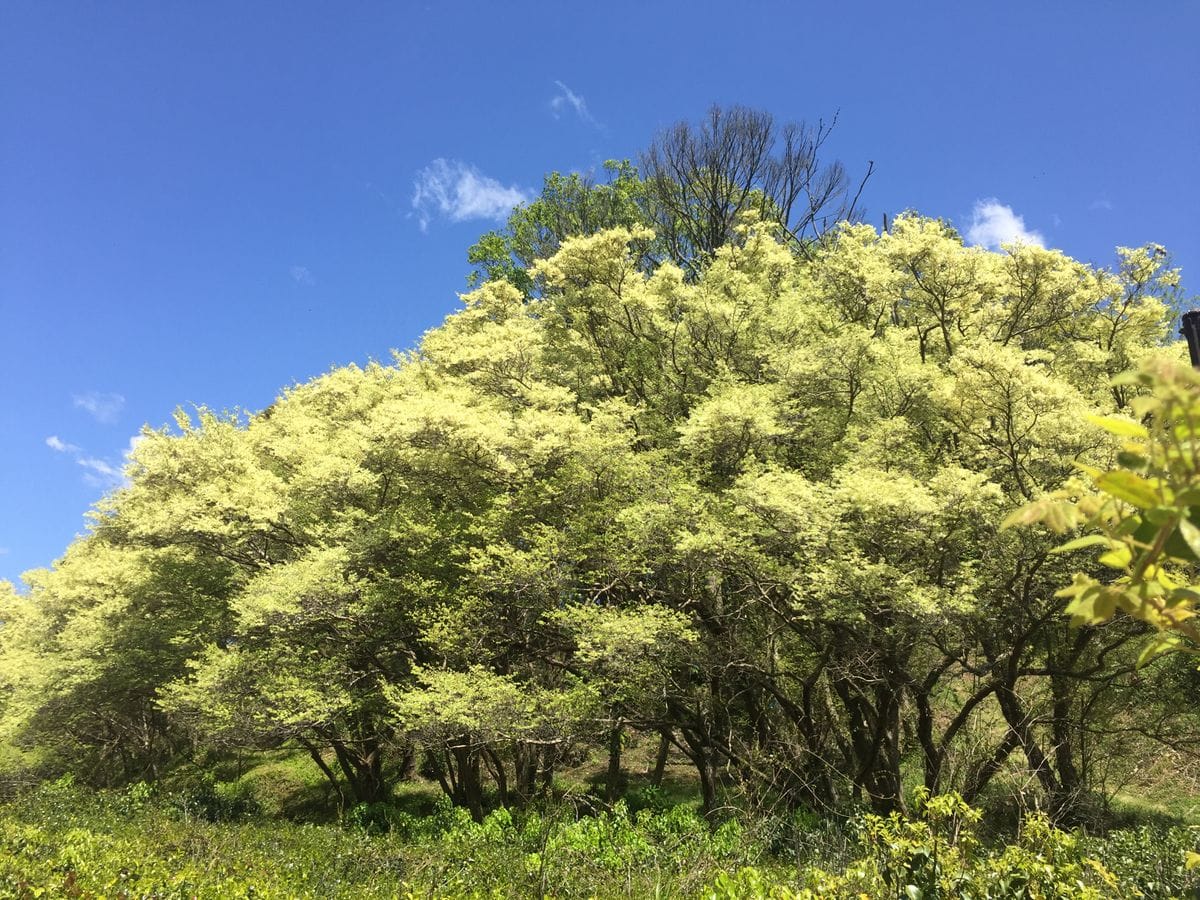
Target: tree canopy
689, 189
752, 509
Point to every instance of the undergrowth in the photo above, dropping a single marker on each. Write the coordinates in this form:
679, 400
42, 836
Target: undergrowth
64, 841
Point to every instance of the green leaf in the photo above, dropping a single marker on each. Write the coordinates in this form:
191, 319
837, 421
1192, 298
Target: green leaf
1163, 643
1183, 595
1133, 489
1089, 540
1056, 514
1160, 515
1191, 534
1117, 558
1119, 427
1092, 607
1082, 611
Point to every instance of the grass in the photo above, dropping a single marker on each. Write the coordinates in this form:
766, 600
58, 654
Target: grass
62, 841
278, 833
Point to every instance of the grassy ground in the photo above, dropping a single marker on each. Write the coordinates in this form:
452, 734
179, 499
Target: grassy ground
269, 826
61, 841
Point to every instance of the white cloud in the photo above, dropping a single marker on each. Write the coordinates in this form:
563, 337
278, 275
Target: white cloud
99, 473
104, 408
102, 473
568, 98
54, 442
1101, 203
301, 275
4, 551
455, 190
993, 224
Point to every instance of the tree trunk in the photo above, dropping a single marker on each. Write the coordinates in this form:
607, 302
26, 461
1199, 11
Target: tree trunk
1020, 722
326, 771
1066, 804
660, 760
526, 765
470, 786
989, 767
363, 770
496, 765
873, 723
407, 770
549, 756
708, 782
612, 783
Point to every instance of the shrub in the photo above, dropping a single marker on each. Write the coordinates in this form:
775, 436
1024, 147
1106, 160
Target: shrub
65, 841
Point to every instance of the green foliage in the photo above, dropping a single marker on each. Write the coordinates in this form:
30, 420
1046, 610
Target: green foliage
1142, 512
62, 841
1157, 861
569, 206
937, 856
490, 708
749, 508
697, 185
203, 797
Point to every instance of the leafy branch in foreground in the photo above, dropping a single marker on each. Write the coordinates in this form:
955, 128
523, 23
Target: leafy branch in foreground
1144, 512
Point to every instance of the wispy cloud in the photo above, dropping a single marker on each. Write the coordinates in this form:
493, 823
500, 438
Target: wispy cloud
301, 275
993, 224
455, 190
54, 442
4, 551
101, 473
1101, 203
568, 99
104, 408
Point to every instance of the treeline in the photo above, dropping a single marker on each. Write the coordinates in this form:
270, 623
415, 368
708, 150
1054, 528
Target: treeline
691, 463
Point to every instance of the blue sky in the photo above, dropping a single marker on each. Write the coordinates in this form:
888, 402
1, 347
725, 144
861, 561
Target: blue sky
202, 203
